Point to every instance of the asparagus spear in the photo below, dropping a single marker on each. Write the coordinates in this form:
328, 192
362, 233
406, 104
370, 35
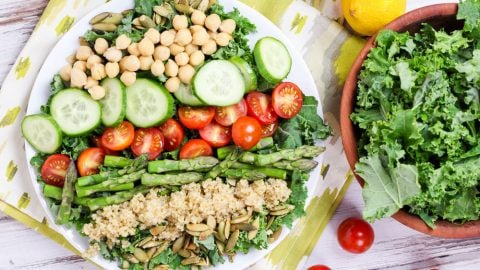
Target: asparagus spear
304, 151
268, 171
107, 185
52, 192
171, 179
225, 164
250, 175
304, 165
199, 163
85, 191
120, 197
68, 195
116, 161
264, 143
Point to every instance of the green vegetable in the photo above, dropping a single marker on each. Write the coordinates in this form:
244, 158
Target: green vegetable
304, 151
111, 184
225, 164
68, 194
264, 143
96, 203
195, 164
171, 179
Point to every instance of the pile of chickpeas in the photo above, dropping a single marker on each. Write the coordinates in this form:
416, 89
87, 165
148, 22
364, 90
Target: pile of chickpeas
174, 53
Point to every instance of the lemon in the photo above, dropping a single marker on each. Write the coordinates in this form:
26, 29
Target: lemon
366, 17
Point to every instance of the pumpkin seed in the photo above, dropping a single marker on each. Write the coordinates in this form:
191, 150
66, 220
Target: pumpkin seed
182, 8
161, 249
203, 5
221, 247
211, 222
191, 260
195, 3
125, 265
146, 22
99, 17
221, 231
279, 207
198, 227
113, 18
157, 19
281, 212
152, 244
270, 221
131, 258
178, 244
217, 236
164, 10
203, 262
151, 251
144, 241
191, 246
274, 237
188, 240
241, 219
140, 255
227, 229
247, 227
204, 235
253, 233
106, 27
157, 230
232, 241
161, 267
185, 253
192, 233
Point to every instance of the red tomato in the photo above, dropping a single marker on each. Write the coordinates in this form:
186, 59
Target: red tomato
355, 235
90, 160
259, 105
216, 135
287, 100
97, 141
118, 138
319, 267
148, 141
54, 169
246, 132
173, 133
226, 116
269, 129
195, 148
196, 117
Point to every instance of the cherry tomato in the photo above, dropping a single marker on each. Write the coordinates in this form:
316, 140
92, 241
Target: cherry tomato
148, 141
355, 235
54, 169
196, 117
259, 105
118, 138
226, 116
90, 160
287, 100
269, 129
195, 148
319, 267
97, 141
246, 132
216, 135
173, 133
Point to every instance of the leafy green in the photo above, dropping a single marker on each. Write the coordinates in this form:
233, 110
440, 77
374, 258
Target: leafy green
208, 243
55, 86
73, 146
169, 258
145, 7
260, 241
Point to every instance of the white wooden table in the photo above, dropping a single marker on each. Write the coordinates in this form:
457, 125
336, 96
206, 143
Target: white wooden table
396, 246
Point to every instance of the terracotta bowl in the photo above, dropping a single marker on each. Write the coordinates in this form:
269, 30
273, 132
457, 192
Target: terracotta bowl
439, 16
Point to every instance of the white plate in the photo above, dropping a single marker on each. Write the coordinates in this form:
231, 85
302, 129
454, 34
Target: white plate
68, 44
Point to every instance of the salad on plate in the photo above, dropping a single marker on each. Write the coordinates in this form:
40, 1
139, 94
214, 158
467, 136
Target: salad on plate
170, 143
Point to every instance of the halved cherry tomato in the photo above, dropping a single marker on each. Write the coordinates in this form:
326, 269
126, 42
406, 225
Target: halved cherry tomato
148, 141
196, 117
319, 267
173, 133
97, 141
195, 148
259, 105
246, 132
269, 129
216, 135
90, 160
226, 116
287, 100
355, 235
118, 138
54, 169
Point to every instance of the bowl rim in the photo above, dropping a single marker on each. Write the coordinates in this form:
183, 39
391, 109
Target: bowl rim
443, 228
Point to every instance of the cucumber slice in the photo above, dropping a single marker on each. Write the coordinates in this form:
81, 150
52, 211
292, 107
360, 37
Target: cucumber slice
75, 111
185, 95
42, 133
247, 71
273, 59
114, 104
219, 83
148, 103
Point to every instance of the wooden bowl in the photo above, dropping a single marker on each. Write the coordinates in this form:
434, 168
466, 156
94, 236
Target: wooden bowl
439, 16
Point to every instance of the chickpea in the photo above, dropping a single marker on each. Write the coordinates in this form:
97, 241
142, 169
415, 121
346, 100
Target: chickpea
210, 47
82, 65
122, 42
133, 49
65, 73
180, 22
176, 49
90, 83
153, 35
71, 59
78, 78
157, 68
101, 45
197, 58
200, 38
83, 52
93, 59
172, 84
112, 69
113, 54
130, 63
198, 17
212, 22
146, 47
196, 28
223, 39
146, 62
190, 48
97, 92
212, 35
228, 26
183, 37
171, 68
167, 38
128, 77
185, 74
182, 59
161, 53
98, 72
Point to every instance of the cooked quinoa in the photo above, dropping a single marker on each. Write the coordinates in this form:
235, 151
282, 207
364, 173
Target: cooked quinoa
194, 203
